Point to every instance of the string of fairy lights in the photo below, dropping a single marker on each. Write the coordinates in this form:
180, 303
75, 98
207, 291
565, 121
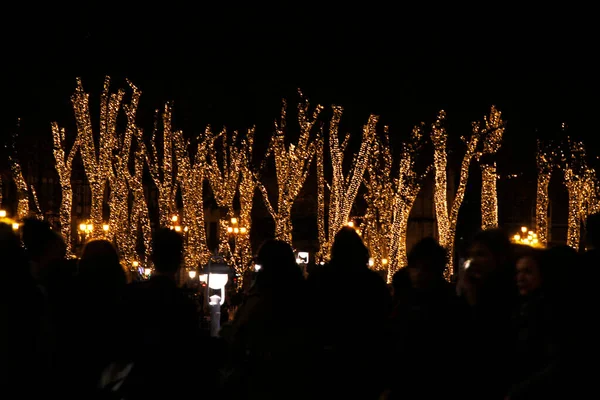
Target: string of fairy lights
115, 159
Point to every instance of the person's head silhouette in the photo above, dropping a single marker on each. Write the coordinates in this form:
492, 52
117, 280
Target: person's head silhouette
348, 248
167, 251
426, 263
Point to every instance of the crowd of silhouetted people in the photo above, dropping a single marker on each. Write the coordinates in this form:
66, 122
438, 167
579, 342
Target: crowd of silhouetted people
517, 322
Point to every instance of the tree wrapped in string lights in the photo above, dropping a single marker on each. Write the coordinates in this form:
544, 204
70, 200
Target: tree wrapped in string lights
491, 131
190, 174
447, 214
292, 165
247, 188
343, 188
576, 176
120, 178
224, 179
162, 169
546, 158
64, 167
408, 184
23, 189
140, 215
379, 197
97, 163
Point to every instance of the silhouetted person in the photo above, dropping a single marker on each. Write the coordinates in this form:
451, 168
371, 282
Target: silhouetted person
425, 328
98, 302
268, 334
162, 327
23, 361
349, 306
539, 357
43, 247
489, 288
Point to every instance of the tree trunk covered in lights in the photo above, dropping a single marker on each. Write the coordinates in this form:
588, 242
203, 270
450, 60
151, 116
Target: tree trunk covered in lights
408, 185
64, 170
489, 196
97, 162
574, 213
398, 256
246, 191
191, 178
541, 209
343, 187
121, 221
292, 165
224, 179
491, 131
162, 173
140, 216
22, 189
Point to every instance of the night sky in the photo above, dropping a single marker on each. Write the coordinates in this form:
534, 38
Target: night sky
234, 70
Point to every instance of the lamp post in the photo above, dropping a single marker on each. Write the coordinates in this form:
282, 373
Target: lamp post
216, 276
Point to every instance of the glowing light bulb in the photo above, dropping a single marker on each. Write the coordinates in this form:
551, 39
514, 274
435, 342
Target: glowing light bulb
2, 214
136, 264
350, 224
234, 220
82, 227
230, 230
174, 218
524, 229
243, 230
105, 227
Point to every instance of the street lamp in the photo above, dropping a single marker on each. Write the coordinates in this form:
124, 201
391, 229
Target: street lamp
216, 277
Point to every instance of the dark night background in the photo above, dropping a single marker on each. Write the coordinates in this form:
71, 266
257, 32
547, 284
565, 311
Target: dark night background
234, 70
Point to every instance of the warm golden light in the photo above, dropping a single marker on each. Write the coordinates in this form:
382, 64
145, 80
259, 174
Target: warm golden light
178, 228
234, 221
82, 227
528, 238
2, 214
105, 227
174, 218
89, 228
243, 230
15, 226
229, 230
350, 224
135, 264
236, 230
192, 274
